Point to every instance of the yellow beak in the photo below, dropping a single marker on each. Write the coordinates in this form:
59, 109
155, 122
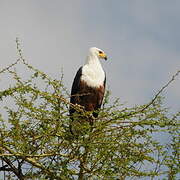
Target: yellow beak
103, 56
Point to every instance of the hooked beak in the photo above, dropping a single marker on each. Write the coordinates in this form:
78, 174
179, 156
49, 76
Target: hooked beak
103, 56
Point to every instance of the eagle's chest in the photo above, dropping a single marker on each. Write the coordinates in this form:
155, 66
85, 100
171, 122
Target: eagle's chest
94, 77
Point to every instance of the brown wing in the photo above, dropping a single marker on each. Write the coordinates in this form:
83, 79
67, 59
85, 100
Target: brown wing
75, 90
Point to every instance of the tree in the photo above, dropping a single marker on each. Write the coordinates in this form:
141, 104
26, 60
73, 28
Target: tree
36, 143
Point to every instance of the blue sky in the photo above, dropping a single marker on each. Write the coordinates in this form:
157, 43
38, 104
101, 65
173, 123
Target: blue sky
141, 39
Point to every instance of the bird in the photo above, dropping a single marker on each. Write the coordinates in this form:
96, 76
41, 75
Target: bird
88, 87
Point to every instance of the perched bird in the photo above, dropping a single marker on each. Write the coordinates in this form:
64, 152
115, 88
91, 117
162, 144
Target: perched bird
89, 84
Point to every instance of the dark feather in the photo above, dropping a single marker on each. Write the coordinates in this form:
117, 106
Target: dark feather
89, 97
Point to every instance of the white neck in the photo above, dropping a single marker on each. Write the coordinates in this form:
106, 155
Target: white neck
92, 72
91, 59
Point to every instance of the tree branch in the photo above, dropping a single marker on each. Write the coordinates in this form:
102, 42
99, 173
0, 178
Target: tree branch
151, 102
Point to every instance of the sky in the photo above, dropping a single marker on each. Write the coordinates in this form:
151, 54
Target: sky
141, 39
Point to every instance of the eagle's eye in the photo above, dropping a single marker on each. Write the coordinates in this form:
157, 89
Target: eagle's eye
100, 52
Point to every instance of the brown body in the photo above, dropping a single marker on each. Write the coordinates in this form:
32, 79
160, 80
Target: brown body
89, 97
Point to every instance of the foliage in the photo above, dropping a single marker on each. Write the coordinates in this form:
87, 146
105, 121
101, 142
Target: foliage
36, 143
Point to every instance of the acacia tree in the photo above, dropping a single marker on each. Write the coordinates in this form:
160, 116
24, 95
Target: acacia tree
36, 143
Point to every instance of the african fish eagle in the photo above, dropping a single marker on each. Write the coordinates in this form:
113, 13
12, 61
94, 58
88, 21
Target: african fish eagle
89, 84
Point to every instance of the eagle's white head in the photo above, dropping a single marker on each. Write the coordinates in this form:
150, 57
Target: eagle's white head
97, 53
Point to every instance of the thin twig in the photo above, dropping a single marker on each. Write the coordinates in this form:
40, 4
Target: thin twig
151, 102
10, 66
